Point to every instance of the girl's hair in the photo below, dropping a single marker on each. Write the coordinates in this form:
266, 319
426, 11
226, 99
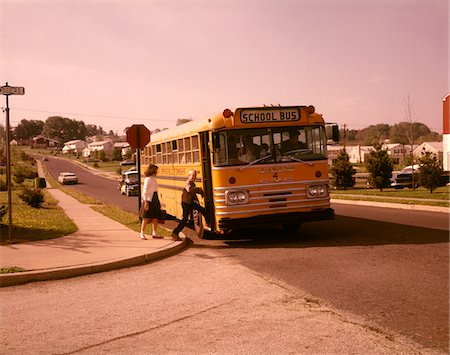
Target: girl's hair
151, 170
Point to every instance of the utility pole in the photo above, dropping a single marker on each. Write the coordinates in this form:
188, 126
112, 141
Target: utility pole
9, 90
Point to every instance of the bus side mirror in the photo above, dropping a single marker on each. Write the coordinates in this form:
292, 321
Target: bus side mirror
332, 132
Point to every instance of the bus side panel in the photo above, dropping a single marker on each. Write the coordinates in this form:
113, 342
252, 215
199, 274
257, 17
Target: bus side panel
171, 182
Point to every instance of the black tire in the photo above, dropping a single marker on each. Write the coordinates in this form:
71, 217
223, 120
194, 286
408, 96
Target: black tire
197, 218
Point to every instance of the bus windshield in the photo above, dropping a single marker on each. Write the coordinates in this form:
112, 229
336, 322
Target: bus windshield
269, 145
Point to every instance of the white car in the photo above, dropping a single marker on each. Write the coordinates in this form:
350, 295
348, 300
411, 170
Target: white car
67, 178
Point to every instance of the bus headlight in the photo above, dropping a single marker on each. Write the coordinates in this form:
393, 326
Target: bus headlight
314, 191
236, 197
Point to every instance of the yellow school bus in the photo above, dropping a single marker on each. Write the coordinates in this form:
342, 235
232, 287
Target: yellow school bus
258, 166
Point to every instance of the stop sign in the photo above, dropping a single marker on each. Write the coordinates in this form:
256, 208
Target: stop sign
138, 136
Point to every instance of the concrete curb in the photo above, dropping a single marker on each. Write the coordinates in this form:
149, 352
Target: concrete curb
18, 278
403, 206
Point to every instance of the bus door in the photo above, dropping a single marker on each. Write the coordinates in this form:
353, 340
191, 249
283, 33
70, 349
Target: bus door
207, 175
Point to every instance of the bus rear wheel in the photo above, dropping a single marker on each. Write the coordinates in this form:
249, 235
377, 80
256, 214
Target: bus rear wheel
197, 218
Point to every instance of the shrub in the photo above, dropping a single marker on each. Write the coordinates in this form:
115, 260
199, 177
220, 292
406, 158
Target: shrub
3, 210
430, 171
33, 196
380, 167
3, 185
24, 171
342, 171
19, 178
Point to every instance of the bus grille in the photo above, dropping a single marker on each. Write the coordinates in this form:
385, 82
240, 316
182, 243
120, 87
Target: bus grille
270, 198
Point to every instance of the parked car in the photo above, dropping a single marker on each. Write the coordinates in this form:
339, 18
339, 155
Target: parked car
405, 177
129, 184
67, 178
444, 179
127, 162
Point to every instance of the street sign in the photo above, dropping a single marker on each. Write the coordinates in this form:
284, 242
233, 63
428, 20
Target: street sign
138, 136
12, 90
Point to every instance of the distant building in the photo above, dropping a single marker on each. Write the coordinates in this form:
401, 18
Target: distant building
43, 142
399, 153
358, 154
74, 147
124, 147
106, 146
435, 148
446, 133
86, 152
333, 152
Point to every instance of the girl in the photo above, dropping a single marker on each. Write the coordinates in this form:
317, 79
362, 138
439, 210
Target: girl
151, 207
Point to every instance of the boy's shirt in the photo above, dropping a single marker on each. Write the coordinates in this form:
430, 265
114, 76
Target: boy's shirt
189, 192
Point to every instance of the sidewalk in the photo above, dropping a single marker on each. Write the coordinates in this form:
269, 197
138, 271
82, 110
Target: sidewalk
100, 244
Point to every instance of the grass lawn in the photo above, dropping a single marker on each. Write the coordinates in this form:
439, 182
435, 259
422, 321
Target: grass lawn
439, 197
31, 224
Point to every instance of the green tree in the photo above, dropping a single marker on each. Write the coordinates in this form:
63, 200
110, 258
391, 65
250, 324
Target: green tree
380, 167
430, 171
403, 132
373, 134
181, 121
64, 129
92, 130
117, 155
102, 156
342, 171
27, 129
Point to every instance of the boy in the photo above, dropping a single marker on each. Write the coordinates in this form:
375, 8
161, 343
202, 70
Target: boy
188, 203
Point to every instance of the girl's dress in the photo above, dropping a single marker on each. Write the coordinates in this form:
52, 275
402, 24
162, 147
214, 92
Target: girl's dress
150, 194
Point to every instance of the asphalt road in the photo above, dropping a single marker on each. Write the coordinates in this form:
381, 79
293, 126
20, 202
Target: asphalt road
387, 266
103, 189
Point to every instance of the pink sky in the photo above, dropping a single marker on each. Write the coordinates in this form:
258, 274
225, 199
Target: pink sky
118, 63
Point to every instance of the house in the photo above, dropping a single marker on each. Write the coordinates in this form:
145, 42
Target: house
106, 146
399, 153
356, 153
74, 147
435, 148
359, 153
124, 147
333, 152
43, 142
86, 152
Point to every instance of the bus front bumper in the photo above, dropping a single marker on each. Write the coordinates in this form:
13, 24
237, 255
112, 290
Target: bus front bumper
228, 224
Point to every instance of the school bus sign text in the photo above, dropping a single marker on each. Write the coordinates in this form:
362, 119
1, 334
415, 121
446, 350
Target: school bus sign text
265, 116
